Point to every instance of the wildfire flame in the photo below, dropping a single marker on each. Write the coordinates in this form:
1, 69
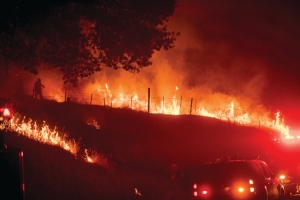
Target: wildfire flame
44, 134
231, 112
95, 124
227, 111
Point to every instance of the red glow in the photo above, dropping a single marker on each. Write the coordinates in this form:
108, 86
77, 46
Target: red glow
6, 112
241, 189
204, 192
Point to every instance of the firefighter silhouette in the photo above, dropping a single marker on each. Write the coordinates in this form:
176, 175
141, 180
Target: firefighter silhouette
37, 90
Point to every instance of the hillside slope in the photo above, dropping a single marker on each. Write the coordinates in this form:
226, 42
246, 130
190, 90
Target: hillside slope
140, 146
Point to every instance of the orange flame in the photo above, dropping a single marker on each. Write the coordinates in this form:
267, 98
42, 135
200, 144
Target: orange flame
46, 135
231, 112
95, 124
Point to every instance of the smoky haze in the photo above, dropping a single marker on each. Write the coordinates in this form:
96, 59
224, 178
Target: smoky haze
243, 50
240, 48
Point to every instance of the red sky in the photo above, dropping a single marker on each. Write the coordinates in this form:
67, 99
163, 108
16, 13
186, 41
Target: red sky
250, 47
242, 49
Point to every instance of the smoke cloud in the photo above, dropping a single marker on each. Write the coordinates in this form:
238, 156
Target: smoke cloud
227, 50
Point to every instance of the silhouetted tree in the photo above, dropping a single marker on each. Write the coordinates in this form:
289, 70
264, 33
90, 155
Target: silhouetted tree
81, 36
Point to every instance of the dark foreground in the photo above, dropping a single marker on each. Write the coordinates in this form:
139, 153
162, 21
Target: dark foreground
140, 146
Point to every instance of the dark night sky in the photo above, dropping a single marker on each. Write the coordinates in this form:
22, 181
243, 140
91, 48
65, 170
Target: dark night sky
243, 44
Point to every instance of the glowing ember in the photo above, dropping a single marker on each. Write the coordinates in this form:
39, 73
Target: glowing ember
58, 98
45, 135
87, 157
95, 124
137, 192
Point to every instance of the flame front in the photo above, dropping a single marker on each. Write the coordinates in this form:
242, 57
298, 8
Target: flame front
44, 134
226, 109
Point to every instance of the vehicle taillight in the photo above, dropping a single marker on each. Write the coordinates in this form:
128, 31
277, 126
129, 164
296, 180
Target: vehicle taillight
251, 182
195, 193
6, 112
282, 177
241, 189
195, 190
203, 191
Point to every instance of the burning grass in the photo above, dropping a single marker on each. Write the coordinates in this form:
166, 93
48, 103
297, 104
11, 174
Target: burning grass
44, 134
220, 106
142, 145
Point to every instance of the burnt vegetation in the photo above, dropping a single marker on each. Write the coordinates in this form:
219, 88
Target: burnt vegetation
80, 37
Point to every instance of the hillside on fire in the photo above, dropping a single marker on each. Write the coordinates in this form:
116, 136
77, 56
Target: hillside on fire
119, 153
